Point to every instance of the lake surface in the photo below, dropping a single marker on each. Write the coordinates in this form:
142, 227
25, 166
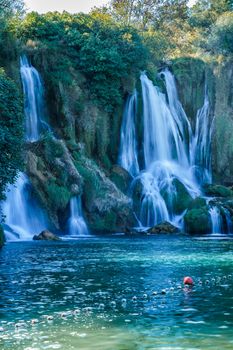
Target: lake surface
117, 293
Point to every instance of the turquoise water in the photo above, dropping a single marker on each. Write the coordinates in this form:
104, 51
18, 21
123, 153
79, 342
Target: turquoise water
107, 293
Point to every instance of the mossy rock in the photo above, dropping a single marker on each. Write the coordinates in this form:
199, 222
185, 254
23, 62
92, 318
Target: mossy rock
136, 190
181, 198
164, 227
121, 178
106, 207
1, 237
217, 191
198, 221
190, 77
197, 203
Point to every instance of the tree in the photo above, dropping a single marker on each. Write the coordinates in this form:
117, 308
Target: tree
11, 131
145, 13
205, 12
221, 37
9, 7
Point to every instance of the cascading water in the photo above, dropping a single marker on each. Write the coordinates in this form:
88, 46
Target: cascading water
171, 153
128, 157
201, 143
167, 135
23, 217
216, 220
33, 97
76, 224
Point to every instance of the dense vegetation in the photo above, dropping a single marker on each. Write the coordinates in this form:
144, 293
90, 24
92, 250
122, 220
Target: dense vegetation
11, 131
107, 48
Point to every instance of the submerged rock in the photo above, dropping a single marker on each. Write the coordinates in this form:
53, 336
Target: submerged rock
46, 236
164, 227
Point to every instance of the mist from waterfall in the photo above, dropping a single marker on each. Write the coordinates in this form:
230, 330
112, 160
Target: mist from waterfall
173, 154
76, 224
23, 216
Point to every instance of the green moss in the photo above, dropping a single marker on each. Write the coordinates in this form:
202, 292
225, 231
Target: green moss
197, 221
182, 198
218, 191
58, 196
190, 77
121, 178
197, 203
109, 223
52, 148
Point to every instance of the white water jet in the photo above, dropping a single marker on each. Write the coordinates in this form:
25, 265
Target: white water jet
128, 157
216, 219
23, 217
76, 224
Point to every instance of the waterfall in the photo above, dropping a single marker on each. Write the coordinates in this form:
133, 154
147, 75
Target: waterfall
172, 152
167, 135
216, 219
201, 144
23, 217
128, 157
33, 99
76, 224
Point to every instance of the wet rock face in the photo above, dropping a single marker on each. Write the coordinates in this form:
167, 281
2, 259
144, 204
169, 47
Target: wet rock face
53, 176
106, 207
121, 178
190, 76
46, 236
223, 124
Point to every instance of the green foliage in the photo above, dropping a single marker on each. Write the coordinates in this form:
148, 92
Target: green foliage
58, 196
221, 37
144, 14
11, 131
96, 46
197, 221
9, 7
205, 12
52, 149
